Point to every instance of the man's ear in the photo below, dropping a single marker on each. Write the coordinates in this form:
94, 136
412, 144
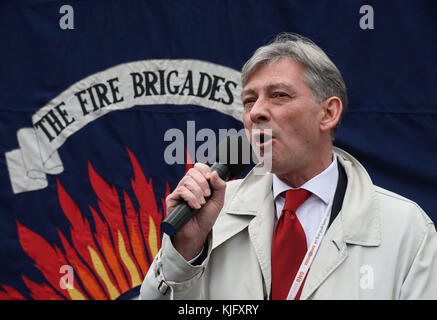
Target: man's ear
332, 108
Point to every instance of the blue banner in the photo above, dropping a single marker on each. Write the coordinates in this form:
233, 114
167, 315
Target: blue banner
95, 94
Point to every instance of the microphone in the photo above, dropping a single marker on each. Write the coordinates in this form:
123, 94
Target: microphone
232, 157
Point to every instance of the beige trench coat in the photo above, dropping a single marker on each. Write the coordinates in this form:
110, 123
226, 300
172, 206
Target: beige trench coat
380, 246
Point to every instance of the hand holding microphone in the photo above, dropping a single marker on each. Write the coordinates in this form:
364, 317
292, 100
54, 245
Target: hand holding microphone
198, 198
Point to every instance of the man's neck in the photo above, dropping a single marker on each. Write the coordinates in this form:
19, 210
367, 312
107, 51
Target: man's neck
298, 177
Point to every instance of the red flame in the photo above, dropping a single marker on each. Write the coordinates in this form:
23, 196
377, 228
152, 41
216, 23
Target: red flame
107, 261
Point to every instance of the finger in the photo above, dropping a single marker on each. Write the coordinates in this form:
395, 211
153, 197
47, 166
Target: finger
203, 168
189, 183
172, 201
184, 193
201, 181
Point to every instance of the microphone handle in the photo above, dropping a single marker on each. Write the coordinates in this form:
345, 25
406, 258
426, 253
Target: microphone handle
182, 213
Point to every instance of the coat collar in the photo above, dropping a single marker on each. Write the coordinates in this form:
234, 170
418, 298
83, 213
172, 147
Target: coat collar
359, 215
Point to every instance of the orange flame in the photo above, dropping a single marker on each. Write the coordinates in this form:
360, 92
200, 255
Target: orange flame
107, 262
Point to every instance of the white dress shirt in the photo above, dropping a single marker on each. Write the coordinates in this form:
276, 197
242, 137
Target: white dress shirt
310, 213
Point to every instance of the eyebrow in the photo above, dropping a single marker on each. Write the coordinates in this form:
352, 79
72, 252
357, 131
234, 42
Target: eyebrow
281, 85
247, 91
271, 87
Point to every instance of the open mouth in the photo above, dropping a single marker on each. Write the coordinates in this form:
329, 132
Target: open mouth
262, 137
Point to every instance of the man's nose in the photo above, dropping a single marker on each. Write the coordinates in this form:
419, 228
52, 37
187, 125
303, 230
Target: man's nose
260, 111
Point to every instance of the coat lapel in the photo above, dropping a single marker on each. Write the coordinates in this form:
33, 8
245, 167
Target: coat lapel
261, 234
358, 223
331, 254
251, 206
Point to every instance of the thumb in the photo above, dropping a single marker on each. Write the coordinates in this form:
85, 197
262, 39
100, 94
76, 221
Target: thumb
218, 185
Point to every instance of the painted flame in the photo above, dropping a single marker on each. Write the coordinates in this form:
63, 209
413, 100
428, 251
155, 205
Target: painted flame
107, 261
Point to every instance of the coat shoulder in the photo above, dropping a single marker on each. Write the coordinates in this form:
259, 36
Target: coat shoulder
403, 208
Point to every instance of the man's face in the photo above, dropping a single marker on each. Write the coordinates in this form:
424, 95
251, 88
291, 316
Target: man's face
276, 97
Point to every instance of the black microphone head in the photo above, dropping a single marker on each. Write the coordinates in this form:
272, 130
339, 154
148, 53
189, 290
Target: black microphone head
235, 152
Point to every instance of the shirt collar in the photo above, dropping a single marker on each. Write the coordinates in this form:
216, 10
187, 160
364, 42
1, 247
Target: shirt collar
322, 185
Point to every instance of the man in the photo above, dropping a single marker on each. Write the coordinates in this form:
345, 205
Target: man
315, 227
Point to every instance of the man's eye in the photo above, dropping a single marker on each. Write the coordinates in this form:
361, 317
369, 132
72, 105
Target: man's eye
280, 95
248, 102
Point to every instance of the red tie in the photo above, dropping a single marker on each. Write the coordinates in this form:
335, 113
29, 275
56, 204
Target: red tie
289, 245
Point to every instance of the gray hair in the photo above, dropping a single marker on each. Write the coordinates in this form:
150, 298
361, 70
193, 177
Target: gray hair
320, 73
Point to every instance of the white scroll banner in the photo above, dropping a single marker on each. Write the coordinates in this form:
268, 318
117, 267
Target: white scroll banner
147, 82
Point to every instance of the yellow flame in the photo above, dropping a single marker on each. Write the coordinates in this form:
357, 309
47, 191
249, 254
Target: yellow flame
153, 241
72, 292
98, 266
135, 277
